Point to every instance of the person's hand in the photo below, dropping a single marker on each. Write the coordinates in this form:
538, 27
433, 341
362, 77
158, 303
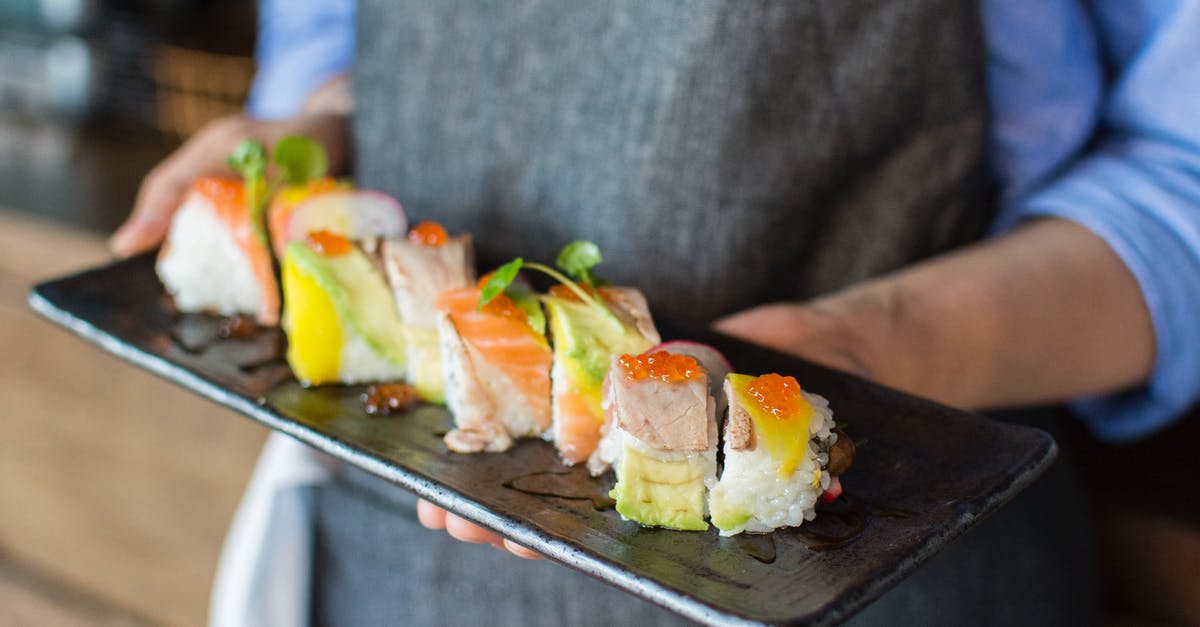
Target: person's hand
818, 332
434, 517
204, 154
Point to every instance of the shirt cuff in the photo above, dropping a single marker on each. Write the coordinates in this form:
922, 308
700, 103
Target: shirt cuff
300, 48
1143, 199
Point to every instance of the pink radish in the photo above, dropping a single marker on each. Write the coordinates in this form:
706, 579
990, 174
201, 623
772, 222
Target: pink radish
710, 359
355, 214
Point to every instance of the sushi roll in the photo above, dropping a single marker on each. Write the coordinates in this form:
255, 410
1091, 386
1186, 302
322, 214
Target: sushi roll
496, 362
776, 455
586, 338
661, 439
341, 323
419, 268
215, 259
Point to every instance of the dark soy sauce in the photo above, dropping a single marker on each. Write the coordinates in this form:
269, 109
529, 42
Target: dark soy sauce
837, 524
760, 546
565, 485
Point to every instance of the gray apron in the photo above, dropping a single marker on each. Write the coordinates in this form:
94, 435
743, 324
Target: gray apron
722, 153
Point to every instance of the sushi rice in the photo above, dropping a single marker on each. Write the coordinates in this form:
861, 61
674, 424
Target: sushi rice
202, 265
751, 496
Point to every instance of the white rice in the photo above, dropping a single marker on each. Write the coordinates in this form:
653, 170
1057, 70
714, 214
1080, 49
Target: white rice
204, 269
750, 482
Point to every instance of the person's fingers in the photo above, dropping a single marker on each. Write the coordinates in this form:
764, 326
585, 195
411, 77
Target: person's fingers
163, 189
521, 551
466, 531
161, 192
430, 515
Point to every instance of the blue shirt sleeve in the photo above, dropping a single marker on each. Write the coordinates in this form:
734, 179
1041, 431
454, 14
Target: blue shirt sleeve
1097, 120
300, 46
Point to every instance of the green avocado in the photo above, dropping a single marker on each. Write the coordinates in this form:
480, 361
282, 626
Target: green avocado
585, 340
659, 493
359, 294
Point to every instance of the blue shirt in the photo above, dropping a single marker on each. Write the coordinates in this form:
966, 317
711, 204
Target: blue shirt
1095, 119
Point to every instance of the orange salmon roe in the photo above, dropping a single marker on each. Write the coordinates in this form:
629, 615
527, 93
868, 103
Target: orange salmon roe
504, 306
428, 234
483, 280
661, 365
328, 243
220, 189
566, 293
321, 185
777, 395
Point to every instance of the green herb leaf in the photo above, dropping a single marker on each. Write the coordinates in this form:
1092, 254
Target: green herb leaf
301, 159
527, 301
578, 258
249, 159
501, 279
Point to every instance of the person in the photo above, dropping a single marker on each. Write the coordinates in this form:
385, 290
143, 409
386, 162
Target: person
1082, 294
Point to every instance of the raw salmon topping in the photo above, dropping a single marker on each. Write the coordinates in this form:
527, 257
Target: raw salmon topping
661, 365
428, 234
327, 243
778, 396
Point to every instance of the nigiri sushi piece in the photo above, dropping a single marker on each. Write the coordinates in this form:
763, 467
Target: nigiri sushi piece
419, 268
777, 449
661, 439
586, 338
215, 259
341, 323
496, 362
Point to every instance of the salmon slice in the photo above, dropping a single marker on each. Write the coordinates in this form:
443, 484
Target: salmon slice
576, 431
229, 200
500, 370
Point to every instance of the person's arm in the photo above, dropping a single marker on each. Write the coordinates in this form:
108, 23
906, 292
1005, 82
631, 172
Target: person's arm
1094, 296
1046, 313
304, 54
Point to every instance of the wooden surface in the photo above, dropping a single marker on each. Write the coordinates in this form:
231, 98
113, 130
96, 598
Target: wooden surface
115, 485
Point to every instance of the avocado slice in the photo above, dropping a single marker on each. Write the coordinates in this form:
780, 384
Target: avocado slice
585, 340
357, 293
659, 493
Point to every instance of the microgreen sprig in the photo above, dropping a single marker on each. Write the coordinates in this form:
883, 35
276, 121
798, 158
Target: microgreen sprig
577, 258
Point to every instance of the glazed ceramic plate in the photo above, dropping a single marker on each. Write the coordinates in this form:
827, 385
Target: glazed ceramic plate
926, 475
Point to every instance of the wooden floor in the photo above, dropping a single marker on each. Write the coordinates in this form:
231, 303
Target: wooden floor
115, 487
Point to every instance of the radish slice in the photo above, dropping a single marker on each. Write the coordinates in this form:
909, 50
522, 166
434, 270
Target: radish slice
713, 361
833, 491
355, 214
710, 359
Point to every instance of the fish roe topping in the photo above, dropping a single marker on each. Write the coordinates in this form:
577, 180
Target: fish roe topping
328, 243
661, 366
219, 189
778, 396
428, 234
504, 306
322, 185
566, 293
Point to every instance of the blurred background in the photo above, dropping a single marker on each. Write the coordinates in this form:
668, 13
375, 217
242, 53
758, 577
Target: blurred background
115, 487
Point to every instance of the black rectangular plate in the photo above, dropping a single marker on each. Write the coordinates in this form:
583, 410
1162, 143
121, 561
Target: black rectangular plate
928, 474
